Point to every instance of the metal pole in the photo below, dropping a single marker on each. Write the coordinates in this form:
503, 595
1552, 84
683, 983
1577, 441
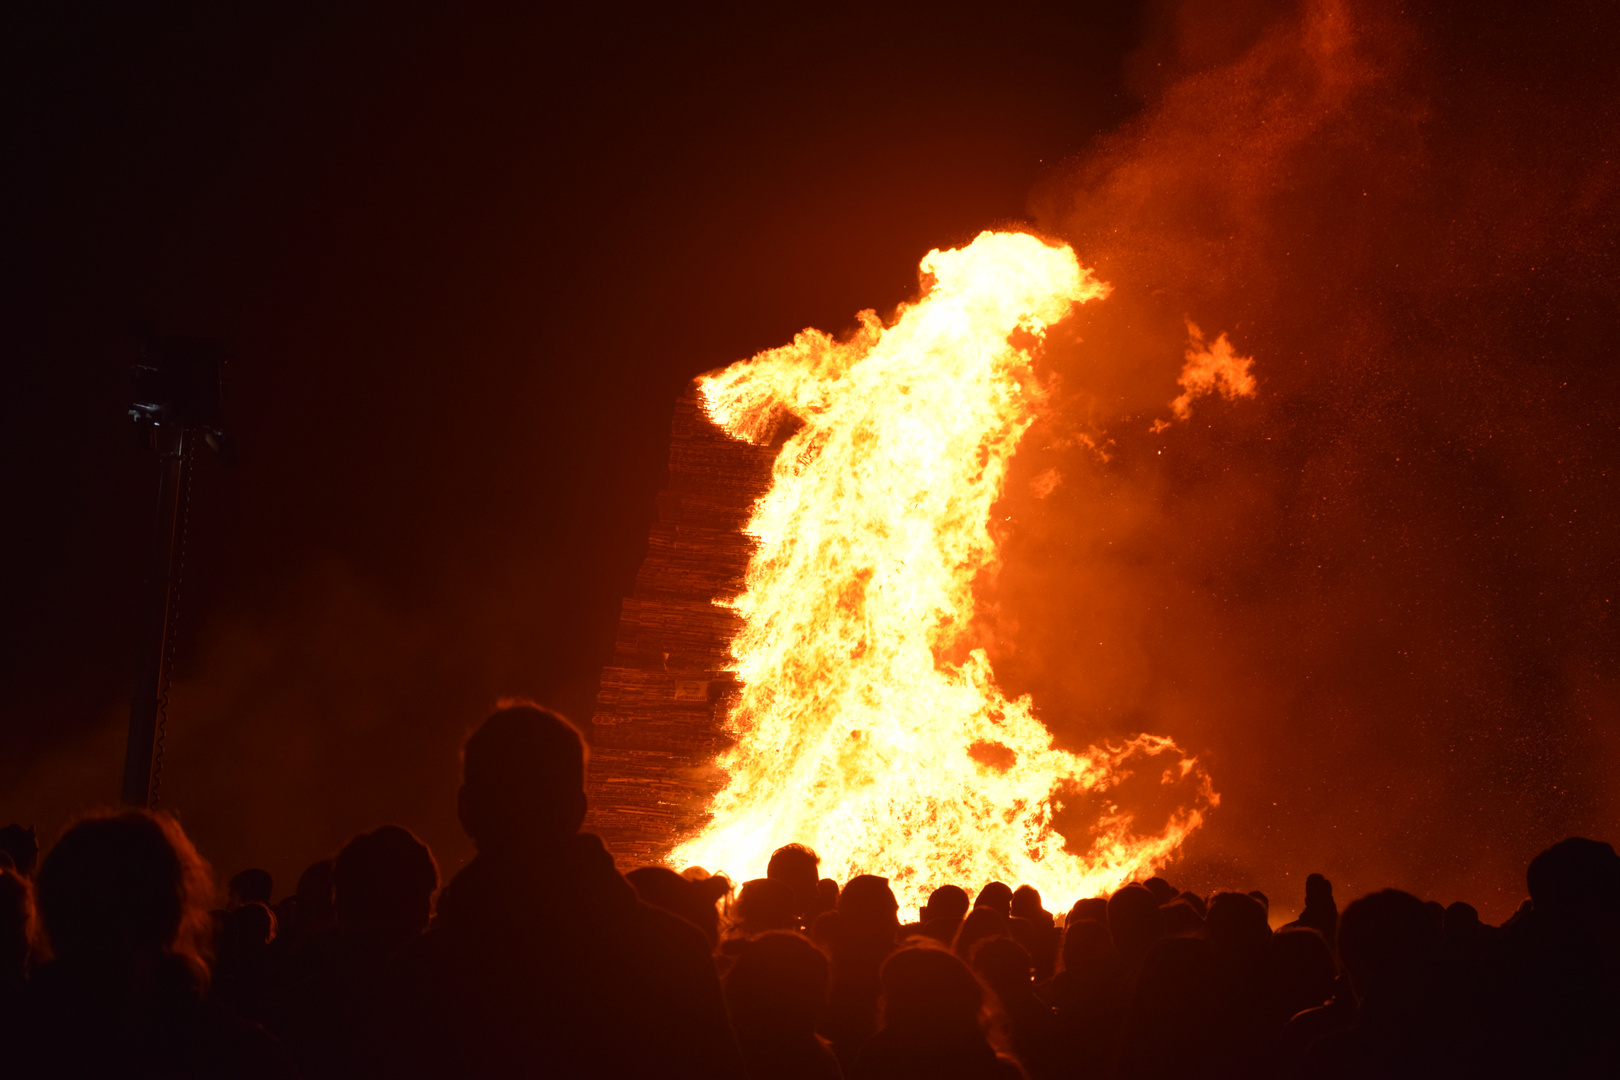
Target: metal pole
161, 589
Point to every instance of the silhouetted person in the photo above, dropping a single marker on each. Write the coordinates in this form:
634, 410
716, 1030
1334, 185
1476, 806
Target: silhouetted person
1162, 890
1181, 919
339, 1021
797, 867
1300, 973
1032, 1028
692, 899
382, 887
776, 991
1170, 1027
306, 926
1135, 922
1300, 977
1466, 941
935, 1023
1026, 904
249, 887
1237, 928
860, 936
942, 914
1390, 947
1034, 928
542, 961
1308, 1027
1560, 962
997, 897
1092, 909
242, 967
123, 902
1087, 995
20, 846
981, 924
1321, 913
826, 896
761, 905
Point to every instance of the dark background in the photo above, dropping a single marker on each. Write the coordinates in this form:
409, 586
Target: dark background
463, 257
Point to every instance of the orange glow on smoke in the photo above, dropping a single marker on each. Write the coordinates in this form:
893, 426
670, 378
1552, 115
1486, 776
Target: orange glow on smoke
870, 725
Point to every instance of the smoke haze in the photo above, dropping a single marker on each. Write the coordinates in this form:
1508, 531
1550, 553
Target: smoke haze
463, 260
1376, 597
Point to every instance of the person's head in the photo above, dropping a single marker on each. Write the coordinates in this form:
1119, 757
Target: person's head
1318, 892
1237, 924
383, 883
1161, 889
826, 895
948, 902
981, 923
867, 904
995, 896
1090, 909
926, 987
1463, 933
523, 780
798, 868
1088, 948
764, 904
1135, 921
1026, 904
1389, 945
1575, 878
121, 887
778, 984
16, 924
249, 887
690, 898
1181, 918
1004, 965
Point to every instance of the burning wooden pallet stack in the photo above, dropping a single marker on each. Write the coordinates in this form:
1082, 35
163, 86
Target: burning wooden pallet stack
661, 709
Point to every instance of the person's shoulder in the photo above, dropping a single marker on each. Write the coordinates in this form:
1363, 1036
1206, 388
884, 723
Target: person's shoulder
667, 929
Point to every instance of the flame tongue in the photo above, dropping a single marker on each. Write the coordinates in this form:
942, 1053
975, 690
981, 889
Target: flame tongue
856, 731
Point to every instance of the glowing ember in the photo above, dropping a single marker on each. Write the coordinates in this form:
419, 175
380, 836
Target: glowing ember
870, 727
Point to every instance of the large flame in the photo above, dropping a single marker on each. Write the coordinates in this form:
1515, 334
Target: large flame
869, 726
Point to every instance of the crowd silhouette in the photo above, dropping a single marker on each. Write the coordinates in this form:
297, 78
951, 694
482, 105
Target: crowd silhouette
539, 959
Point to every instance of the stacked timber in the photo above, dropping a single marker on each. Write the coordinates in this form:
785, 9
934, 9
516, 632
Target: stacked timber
661, 710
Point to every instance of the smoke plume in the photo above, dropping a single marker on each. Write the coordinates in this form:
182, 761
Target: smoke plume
1369, 580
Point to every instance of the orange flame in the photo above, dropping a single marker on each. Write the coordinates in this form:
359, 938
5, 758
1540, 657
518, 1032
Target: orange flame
1211, 367
869, 726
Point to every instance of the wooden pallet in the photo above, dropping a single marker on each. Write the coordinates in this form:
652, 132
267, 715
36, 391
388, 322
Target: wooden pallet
661, 710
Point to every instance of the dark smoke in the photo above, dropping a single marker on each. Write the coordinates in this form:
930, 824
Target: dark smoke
1376, 599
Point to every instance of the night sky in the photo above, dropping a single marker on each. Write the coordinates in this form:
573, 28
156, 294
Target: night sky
463, 260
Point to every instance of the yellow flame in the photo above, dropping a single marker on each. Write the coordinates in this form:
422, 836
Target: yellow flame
869, 727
